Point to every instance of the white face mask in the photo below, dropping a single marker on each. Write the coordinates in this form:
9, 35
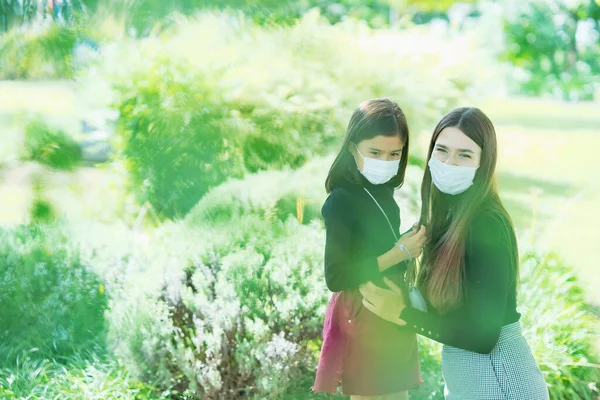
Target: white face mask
451, 179
378, 171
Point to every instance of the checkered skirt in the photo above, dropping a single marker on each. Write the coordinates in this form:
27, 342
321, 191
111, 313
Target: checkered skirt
508, 372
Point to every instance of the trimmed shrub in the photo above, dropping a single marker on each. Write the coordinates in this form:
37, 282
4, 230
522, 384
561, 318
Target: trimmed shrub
269, 195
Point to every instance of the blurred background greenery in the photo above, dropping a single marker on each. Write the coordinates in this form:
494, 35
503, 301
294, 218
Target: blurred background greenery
162, 167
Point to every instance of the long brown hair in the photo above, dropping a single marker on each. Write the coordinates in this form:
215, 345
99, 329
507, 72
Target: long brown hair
441, 276
375, 117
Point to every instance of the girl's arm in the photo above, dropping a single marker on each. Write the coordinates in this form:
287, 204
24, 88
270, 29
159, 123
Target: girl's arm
344, 267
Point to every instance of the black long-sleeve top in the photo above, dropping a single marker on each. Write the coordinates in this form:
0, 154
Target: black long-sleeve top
358, 233
490, 287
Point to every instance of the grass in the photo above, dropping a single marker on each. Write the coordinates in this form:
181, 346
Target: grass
88, 377
547, 177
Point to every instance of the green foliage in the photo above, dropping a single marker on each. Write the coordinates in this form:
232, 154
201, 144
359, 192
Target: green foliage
42, 210
430, 359
557, 47
43, 54
563, 332
15, 12
50, 300
255, 98
174, 133
51, 147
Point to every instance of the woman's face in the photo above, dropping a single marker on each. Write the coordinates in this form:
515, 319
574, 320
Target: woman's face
453, 147
385, 148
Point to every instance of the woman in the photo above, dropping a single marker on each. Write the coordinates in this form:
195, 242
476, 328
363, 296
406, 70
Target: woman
469, 270
371, 357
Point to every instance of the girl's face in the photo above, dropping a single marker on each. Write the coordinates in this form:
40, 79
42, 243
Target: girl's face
385, 148
453, 147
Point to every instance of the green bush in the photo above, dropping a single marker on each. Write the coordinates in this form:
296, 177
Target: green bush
50, 300
254, 98
235, 314
173, 132
51, 147
43, 54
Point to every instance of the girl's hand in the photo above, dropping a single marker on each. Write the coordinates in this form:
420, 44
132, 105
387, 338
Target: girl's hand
413, 241
385, 303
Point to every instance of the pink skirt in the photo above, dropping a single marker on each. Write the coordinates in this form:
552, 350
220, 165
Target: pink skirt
368, 355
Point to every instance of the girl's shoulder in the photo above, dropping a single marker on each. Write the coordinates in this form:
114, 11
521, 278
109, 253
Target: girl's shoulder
339, 202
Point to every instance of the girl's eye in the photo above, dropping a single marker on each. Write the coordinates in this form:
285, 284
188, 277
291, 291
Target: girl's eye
441, 150
374, 153
395, 154
465, 156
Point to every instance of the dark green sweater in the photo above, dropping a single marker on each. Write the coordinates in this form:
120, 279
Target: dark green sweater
490, 287
357, 234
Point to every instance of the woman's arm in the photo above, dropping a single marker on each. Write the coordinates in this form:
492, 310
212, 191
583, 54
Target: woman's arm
476, 325
490, 274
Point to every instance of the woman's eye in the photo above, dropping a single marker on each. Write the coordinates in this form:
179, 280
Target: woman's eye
395, 154
441, 150
465, 156
374, 153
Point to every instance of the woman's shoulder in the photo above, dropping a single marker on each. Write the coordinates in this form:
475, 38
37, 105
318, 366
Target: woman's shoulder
491, 225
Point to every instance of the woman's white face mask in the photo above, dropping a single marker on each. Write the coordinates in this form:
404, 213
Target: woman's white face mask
454, 161
451, 179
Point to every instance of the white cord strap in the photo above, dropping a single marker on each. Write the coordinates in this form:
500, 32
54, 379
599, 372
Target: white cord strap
404, 248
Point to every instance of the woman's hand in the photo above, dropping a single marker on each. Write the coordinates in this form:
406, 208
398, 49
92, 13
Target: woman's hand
385, 303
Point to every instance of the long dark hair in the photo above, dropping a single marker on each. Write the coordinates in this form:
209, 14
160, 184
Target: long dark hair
375, 117
441, 276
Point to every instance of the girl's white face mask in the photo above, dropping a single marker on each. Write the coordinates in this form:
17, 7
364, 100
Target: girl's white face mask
377, 171
451, 179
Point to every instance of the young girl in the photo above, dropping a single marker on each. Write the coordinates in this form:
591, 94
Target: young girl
469, 270
371, 357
